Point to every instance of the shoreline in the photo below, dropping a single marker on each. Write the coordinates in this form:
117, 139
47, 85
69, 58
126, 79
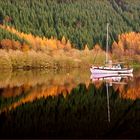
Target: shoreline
56, 59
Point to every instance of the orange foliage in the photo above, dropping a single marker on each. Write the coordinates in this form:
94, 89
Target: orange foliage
38, 43
16, 45
25, 47
132, 94
97, 47
68, 45
133, 91
37, 94
6, 44
117, 49
128, 44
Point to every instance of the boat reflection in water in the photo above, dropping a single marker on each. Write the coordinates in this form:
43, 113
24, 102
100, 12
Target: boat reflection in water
111, 79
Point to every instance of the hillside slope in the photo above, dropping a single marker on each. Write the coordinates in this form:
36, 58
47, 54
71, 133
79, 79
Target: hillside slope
82, 22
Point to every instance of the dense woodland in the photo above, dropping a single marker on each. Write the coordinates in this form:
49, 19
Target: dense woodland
82, 22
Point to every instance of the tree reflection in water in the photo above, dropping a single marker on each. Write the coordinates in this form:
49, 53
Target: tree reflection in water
70, 109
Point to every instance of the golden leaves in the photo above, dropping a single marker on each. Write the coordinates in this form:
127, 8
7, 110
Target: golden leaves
36, 42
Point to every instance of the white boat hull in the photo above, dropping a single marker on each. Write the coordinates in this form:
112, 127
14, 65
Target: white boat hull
96, 70
98, 76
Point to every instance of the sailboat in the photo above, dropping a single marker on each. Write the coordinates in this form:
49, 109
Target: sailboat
110, 68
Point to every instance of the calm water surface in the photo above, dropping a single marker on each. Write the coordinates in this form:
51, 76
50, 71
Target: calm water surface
68, 104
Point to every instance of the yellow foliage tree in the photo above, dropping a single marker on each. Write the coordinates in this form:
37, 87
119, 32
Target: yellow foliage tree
86, 48
63, 40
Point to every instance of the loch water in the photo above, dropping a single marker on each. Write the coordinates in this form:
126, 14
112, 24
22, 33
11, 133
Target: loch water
68, 104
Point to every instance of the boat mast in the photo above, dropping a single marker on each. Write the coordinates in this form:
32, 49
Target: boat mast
107, 44
108, 108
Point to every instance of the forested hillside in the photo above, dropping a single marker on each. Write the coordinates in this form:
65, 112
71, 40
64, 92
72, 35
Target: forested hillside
80, 21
